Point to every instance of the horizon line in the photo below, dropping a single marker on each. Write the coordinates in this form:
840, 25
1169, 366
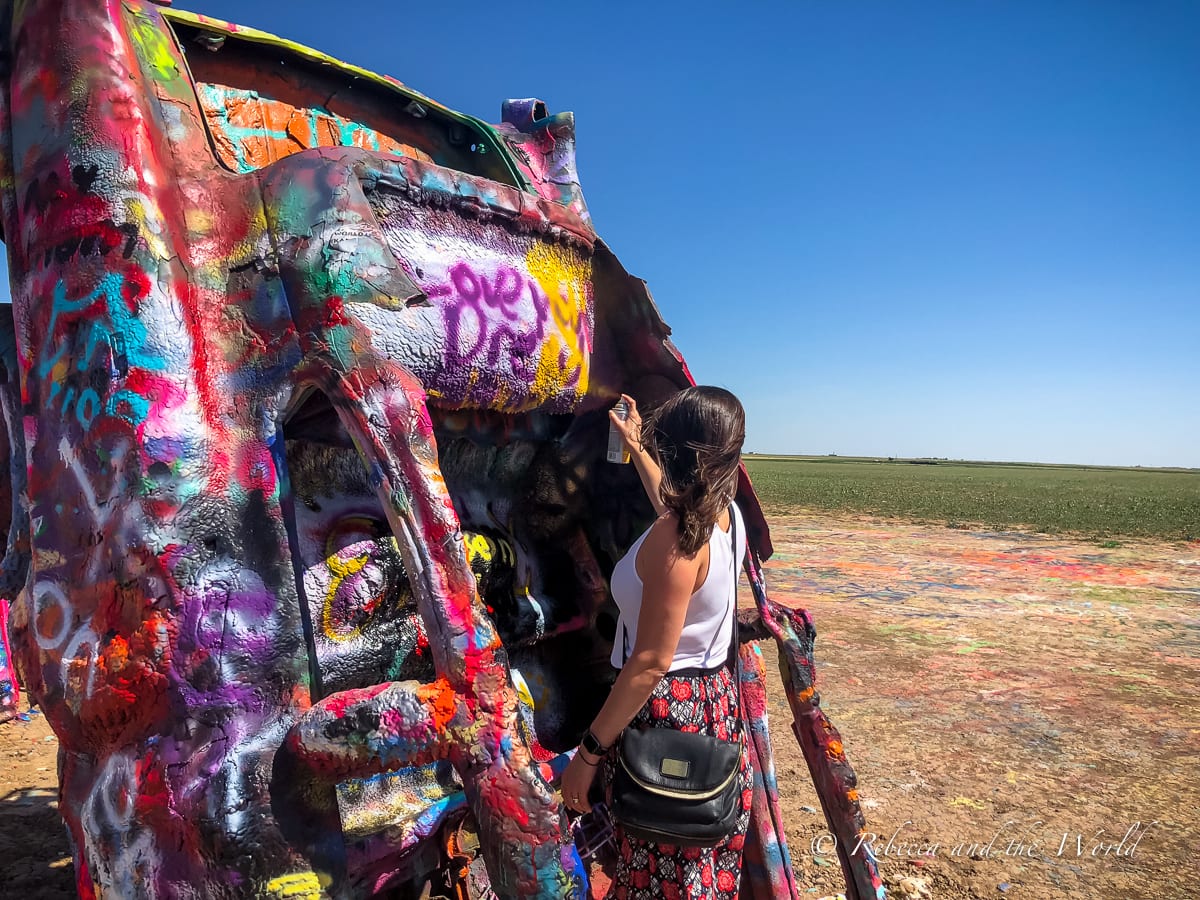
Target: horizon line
982, 462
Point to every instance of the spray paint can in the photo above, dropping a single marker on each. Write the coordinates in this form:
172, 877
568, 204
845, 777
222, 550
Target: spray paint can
616, 444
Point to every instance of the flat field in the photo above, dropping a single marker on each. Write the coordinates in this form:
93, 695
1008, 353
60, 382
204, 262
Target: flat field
1091, 501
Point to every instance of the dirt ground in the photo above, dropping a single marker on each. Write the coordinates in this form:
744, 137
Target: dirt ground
1022, 711
1014, 705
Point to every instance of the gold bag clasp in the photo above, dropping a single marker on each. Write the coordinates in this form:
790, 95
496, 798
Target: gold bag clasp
675, 768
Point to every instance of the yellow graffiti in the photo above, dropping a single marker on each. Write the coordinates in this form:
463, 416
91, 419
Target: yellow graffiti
564, 277
350, 532
141, 211
298, 886
523, 692
478, 546
340, 572
486, 549
152, 45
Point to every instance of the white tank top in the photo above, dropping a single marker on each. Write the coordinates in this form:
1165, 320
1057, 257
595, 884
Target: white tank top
708, 626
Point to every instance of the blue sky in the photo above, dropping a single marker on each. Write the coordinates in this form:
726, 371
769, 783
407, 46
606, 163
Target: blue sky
960, 229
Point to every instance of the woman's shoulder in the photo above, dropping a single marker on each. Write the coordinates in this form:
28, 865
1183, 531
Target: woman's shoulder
662, 543
663, 531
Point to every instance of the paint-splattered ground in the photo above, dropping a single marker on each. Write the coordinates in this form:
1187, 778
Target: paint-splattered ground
1013, 704
1001, 689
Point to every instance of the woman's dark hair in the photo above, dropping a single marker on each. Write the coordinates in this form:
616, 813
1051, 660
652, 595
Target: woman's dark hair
696, 438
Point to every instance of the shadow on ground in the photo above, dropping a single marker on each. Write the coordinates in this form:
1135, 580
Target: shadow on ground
35, 861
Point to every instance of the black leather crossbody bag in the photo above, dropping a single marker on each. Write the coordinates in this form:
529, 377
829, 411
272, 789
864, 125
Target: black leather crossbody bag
678, 787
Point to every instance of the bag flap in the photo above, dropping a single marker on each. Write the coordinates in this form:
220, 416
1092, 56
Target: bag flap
678, 760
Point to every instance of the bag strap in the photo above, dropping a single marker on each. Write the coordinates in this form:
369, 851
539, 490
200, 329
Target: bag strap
734, 661
733, 624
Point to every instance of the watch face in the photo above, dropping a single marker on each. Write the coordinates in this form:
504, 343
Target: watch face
592, 745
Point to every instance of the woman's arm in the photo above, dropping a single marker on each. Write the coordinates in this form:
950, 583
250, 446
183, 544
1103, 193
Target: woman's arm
668, 581
648, 470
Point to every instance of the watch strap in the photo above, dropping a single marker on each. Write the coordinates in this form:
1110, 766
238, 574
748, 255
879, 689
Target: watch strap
592, 744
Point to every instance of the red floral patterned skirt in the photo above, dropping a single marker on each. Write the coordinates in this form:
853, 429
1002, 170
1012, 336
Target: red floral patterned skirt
651, 871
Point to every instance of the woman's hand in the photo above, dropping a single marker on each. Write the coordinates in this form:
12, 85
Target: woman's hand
631, 429
631, 436
577, 781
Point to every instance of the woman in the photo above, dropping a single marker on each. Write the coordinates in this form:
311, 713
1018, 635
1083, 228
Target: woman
674, 588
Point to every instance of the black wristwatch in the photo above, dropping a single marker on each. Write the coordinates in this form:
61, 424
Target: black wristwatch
592, 744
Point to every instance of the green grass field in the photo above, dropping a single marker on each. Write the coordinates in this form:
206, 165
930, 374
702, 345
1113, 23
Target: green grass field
1101, 502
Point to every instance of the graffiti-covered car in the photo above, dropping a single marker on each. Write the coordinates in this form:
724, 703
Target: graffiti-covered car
310, 552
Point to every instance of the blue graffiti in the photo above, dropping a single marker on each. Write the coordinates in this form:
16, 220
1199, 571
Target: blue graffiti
117, 341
